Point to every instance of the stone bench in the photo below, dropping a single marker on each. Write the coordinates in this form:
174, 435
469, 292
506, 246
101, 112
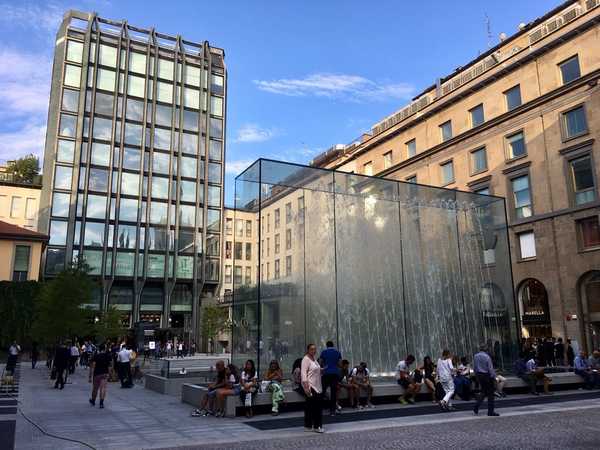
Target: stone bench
193, 393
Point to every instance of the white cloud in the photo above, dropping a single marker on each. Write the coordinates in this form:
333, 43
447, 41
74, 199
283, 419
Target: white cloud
237, 166
27, 139
349, 87
254, 133
44, 17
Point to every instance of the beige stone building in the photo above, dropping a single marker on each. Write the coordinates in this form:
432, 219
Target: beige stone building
19, 200
521, 121
21, 251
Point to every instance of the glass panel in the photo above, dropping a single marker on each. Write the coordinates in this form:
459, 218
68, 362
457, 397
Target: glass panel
72, 76
214, 196
131, 158
187, 191
67, 125
93, 258
217, 84
188, 167
70, 100
65, 151
160, 163
106, 80
156, 266
137, 62
126, 236
96, 207
214, 220
447, 173
187, 215
214, 173
100, 154
477, 117
575, 122
165, 69
94, 234
98, 180
135, 86
74, 51
135, 110
104, 103
55, 260
158, 213
60, 204
570, 70
479, 160
162, 139
58, 232
190, 120
214, 151
216, 106
513, 97
160, 187
133, 134
63, 177
102, 128
163, 115
191, 98
124, 264
130, 184
192, 75
164, 92
216, 128
516, 145
107, 55
446, 130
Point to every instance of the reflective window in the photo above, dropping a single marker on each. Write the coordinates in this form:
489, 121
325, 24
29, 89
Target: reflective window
187, 215
214, 196
165, 69
158, 238
216, 128
446, 130
516, 145
93, 258
158, 213
60, 204
583, 180
70, 100
189, 143
192, 75
164, 92
513, 97
163, 115
213, 219
188, 167
190, 120
133, 134
67, 125
447, 173
160, 187
187, 191
217, 84
124, 264
128, 210
214, 151
100, 154
74, 51
135, 110
107, 55
96, 207
102, 128
214, 173
98, 180
479, 160
126, 236
55, 260
135, 86
58, 232
62, 177
216, 106
570, 69
212, 245
477, 116
94, 234
106, 80
191, 98
130, 183
104, 103
522, 196
131, 158
411, 148
65, 151
162, 138
160, 163
137, 62
574, 122
72, 76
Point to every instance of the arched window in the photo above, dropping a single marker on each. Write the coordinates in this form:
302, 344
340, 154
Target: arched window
589, 293
535, 310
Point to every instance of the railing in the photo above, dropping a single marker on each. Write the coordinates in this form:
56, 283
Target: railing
15, 179
186, 367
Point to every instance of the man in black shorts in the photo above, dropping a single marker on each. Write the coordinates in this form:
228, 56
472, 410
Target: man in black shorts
99, 367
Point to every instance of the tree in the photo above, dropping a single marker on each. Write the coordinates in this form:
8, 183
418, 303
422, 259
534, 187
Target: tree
60, 313
214, 320
108, 326
25, 168
17, 303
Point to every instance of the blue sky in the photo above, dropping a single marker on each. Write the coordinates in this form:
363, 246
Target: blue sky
303, 75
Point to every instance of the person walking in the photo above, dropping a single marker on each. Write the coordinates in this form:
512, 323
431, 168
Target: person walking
74, 357
313, 390
486, 377
330, 360
445, 372
62, 357
35, 354
13, 355
99, 367
124, 368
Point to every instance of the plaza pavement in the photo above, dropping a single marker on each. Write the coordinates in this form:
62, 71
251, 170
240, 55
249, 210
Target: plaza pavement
138, 418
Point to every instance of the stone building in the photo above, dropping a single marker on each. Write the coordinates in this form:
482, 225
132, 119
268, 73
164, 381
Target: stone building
520, 121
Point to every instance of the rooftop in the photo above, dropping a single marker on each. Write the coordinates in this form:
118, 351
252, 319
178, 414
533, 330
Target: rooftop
8, 231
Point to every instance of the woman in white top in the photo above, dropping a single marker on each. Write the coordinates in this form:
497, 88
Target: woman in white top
445, 371
311, 383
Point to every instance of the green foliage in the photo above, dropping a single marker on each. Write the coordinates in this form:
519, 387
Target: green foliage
215, 319
59, 313
108, 326
25, 168
17, 306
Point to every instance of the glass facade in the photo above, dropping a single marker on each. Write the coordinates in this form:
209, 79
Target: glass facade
132, 189
381, 267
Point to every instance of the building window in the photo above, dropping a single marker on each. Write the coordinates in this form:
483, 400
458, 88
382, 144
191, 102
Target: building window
239, 228
228, 245
288, 212
516, 145
569, 69
248, 228
447, 173
482, 191
574, 123
248, 277
276, 269
277, 243
16, 207
522, 196
288, 239
21, 263
589, 232
248, 251
268, 270
582, 176
368, 168
527, 245
411, 148
229, 227
237, 253
288, 265
277, 218
268, 246
412, 179
237, 275
300, 209
268, 222
387, 159
477, 116
513, 97
478, 161
446, 131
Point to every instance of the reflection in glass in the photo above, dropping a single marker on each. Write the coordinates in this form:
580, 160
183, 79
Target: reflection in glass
212, 245
72, 75
216, 128
104, 103
185, 242
214, 220
102, 128
124, 264
65, 151
158, 213
60, 204
156, 266
160, 187
187, 190
96, 207
214, 151
128, 210
131, 158
135, 110
130, 183
133, 134
94, 234
163, 115
74, 51
126, 236
190, 120
106, 80
214, 173
100, 154
58, 232
188, 167
158, 238
216, 106
62, 177
55, 260
187, 215
162, 138
135, 86
160, 163
214, 196
189, 143
67, 125
98, 180
70, 100
137, 62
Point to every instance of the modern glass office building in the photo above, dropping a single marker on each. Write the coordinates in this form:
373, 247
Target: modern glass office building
381, 267
133, 166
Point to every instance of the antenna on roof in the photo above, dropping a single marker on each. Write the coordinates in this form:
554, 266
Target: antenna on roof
488, 27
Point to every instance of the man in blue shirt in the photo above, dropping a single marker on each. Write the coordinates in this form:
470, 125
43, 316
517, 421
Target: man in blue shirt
330, 361
584, 370
486, 377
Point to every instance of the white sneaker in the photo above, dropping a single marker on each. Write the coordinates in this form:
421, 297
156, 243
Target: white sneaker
319, 430
371, 405
308, 430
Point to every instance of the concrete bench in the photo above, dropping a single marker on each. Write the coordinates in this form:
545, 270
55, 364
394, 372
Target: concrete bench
193, 393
